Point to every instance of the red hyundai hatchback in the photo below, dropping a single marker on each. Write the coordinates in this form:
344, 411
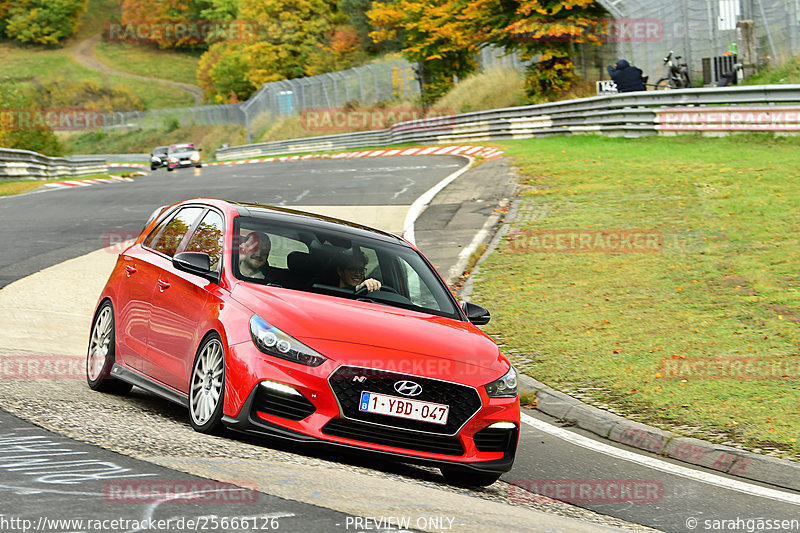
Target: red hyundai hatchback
307, 328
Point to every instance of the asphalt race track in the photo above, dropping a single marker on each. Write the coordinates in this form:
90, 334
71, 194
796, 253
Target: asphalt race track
283, 488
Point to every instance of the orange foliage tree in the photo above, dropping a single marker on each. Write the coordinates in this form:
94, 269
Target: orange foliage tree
434, 36
541, 32
443, 37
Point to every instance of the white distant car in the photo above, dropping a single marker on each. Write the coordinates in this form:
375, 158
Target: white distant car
183, 155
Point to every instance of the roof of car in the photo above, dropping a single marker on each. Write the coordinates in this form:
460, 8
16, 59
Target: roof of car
314, 220
292, 216
181, 146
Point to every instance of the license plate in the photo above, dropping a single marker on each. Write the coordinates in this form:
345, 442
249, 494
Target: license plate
372, 402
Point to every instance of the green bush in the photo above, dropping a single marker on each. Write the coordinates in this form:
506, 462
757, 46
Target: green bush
17, 129
42, 21
63, 92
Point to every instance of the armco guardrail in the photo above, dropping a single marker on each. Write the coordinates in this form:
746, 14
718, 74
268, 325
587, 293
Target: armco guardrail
724, 110
15, 164
127, 158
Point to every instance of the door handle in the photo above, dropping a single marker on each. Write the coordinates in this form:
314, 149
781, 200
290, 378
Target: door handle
130, 269
163, 285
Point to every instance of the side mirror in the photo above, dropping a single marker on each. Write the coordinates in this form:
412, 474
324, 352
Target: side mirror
198, 263
476, 314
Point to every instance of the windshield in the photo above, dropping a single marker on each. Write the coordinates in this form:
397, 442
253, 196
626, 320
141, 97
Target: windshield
181, 149
308, 259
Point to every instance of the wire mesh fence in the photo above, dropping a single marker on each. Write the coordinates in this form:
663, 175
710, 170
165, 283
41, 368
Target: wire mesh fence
698, 30
367, 85
642, 31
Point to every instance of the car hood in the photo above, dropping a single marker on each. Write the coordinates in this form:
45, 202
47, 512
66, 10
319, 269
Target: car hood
337, 326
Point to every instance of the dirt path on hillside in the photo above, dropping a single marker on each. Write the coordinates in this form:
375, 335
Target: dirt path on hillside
83, 52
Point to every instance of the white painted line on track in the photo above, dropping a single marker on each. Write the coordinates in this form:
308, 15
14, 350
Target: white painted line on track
657, 464
419, 204
463, 258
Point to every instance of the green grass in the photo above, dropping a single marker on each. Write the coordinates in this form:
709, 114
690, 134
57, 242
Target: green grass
494, 89
209, 138
99, 12
12, 187
26, 64
789, 72
148, 61
723, 285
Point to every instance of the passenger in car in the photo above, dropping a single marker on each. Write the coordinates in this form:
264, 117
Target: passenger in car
253, 255
351, 266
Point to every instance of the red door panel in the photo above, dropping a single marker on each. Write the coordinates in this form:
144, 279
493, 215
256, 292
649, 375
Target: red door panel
178, 309
135, 289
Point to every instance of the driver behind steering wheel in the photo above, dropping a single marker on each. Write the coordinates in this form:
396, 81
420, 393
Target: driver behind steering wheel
351, 266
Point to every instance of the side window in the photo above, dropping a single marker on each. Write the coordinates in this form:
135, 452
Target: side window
148, 241
208, 238
168, 240
418, 291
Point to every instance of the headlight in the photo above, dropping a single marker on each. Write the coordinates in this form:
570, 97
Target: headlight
173, 159
505, 387
195, 156
273, 341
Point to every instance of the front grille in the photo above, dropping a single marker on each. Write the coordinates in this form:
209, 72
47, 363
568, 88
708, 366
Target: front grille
408, 440
349, 382
494, 440
289, 406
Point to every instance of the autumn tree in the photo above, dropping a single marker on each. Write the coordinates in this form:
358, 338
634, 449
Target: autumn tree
288, 33
41, 21
15, 132
542, 32
222, 73
356, 12
191, 16
435, 38
340, 50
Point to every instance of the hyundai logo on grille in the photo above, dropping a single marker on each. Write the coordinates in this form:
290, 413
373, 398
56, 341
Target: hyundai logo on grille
408, 388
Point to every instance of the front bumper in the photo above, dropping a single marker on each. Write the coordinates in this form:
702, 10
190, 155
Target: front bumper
251, 420
184, 163
270, 396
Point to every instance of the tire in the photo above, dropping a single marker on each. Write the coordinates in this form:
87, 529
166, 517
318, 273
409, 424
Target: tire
663, 84
463, 477
170, 169
207, 386
100, 354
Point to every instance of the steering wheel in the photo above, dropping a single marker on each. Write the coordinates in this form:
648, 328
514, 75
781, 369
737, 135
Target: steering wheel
387, 288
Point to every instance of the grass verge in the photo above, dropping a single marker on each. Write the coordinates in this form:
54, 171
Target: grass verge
25, 64
698, 334
12, 187
209, 138
149, 61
